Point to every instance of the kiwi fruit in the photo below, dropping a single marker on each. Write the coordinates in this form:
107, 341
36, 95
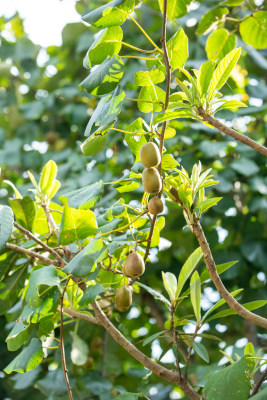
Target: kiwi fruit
134, 265
151, 180
155, 206
123, 298
150, 155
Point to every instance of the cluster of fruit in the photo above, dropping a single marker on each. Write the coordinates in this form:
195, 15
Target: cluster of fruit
134, 265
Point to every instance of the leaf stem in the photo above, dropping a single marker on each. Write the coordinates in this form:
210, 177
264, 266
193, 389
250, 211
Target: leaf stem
146, 35
136, 48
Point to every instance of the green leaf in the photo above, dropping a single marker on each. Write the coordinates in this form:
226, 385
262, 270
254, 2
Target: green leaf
223, 72
76, 224
262, 395
136, 142
10, 288
106, 112
175, 8
178, 49
245, 166
220, 303
150, 99
220, 269
40, 279
253, 305
79, 350
84, 198
24, 210
149, 78
29, 358
107, 44
206, 204
204, 77
219, 44
211, 19
48, 175
155, 293
170, 284
82, 264
195, 294
94, 144
168, 162
232, 104
110, 14
188, 268
168, 116
153, 337
19, 335
253, 30
201, 350
90, 294
6, 225
105, 78
231, 382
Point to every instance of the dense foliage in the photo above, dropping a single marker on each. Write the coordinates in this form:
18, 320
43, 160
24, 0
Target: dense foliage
91, 209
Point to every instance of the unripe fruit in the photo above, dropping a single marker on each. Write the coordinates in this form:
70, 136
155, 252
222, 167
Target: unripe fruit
150, 155
155, 206
134, 265
123, 298
151, 180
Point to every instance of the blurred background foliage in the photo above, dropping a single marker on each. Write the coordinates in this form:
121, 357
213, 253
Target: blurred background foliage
43, 116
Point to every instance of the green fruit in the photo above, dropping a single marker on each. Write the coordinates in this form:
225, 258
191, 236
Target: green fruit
151, 180
94, 145
150, 155
123, 298
134, 265
155, 206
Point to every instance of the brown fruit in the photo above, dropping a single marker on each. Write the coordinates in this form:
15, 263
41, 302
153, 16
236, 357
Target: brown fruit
123, 298
150, 155
134, 265
151, 180
155, 206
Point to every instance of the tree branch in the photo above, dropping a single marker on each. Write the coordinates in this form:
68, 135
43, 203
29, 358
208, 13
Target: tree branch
44, 245
76, 314
169, 375
232, 133
259, 383
32, 254
211, 267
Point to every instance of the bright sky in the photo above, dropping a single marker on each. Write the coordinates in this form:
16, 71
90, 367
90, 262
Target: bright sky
43, 19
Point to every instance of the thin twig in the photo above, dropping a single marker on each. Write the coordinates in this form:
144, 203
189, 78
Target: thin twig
232, 133
50, 219
32, 254
62, 348
164, 125
190, 350
259, 383
175, 341
44, 245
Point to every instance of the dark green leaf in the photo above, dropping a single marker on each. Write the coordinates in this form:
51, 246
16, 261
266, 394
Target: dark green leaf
201, 350
90, 294
83, 198
40, 279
